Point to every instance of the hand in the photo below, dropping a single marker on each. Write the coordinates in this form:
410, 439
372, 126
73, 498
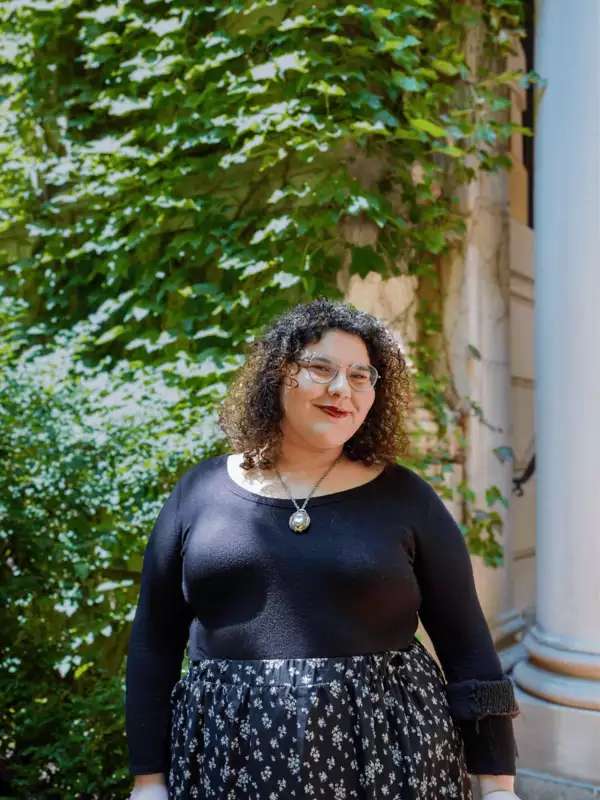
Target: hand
154, 791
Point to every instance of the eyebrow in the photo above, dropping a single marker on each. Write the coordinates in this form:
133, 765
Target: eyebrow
329, 358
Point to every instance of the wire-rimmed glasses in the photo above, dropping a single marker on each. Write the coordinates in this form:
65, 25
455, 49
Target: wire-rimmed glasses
323, 369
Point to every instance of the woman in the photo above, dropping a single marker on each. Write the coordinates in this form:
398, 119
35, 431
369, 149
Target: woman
298, 566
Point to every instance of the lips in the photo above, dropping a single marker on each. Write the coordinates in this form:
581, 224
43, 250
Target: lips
332, 412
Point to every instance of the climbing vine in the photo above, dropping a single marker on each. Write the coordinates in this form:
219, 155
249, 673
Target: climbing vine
173, 175
193, 168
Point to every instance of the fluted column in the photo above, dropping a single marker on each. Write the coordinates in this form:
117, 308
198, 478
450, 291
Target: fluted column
559, 730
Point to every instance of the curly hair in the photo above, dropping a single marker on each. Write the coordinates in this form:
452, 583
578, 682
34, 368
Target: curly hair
250, 413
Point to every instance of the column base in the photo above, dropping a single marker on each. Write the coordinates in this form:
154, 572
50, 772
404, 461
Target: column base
557, 673
558, 742
531, 785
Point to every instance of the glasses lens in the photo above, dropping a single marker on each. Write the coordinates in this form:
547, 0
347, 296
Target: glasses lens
361, 378
322, 370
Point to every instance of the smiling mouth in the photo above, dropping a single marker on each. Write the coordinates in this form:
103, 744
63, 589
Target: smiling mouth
332, 413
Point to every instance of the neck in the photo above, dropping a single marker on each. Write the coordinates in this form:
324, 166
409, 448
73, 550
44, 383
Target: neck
299, 460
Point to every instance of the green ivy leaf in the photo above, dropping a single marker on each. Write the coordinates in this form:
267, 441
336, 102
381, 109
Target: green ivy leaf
331, 90
394, 44
110, 334
494, 495
504, 453
365, 260
421, 124
434, 240
407, 82
450, 150
82, 669
444, 66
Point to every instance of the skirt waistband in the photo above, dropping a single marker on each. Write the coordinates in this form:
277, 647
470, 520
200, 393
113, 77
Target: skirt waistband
302, 671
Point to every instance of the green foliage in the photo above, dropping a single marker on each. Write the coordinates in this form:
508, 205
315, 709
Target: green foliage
196, 160
173, 175
87, 460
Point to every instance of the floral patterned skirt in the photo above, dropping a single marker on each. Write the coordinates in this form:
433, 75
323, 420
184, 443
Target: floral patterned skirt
369, 726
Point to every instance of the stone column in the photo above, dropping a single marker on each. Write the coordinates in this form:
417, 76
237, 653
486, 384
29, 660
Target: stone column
559, 683
476, 323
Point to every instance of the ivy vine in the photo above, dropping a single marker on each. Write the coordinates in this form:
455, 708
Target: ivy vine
173, 174
180, 172
188, 168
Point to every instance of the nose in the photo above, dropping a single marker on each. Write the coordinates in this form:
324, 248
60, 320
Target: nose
340, 384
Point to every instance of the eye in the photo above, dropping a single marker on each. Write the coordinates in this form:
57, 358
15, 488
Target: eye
360, 375
321, 367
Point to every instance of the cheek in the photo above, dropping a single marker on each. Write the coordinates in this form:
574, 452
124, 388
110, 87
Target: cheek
301, 388
364, 406
300, 392
306, 385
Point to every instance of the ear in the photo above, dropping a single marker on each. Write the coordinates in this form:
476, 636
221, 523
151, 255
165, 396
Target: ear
288, 372
291, 368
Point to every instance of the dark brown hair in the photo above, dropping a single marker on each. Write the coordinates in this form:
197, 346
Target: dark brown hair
251, 411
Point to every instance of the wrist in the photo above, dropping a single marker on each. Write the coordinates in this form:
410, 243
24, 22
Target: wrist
153, 779
496, 783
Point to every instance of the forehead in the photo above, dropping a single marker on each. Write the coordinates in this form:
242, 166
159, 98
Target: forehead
340, 345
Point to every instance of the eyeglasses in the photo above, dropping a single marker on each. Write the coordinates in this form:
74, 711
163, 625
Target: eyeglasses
323, 369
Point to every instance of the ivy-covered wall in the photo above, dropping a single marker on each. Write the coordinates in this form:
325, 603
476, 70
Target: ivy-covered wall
174, 174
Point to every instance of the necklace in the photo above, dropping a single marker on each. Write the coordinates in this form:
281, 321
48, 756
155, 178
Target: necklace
299, 520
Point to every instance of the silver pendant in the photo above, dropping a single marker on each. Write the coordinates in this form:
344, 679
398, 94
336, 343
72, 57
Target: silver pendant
299, 520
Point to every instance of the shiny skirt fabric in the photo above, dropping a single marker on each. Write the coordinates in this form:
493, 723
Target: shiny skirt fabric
374, 726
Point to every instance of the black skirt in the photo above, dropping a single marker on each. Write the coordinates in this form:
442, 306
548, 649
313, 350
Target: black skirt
374, 726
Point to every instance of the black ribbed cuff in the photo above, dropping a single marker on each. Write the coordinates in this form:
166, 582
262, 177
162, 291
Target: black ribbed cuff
475, 699
483, 710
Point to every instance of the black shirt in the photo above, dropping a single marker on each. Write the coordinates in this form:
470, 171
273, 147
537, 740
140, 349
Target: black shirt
223, 568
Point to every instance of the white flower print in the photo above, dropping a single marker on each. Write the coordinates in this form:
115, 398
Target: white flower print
364, 727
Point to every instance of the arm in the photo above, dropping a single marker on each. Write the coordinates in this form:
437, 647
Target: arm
480, 696
156, 645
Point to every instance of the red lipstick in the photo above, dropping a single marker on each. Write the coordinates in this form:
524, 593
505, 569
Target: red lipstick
334, 411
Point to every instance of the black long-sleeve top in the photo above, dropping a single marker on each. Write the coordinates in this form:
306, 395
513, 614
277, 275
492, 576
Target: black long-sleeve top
223, 569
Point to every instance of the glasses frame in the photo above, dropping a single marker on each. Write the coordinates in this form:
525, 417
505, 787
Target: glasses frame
304, 361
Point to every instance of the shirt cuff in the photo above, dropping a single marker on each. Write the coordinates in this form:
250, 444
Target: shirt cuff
484, 710
491, 749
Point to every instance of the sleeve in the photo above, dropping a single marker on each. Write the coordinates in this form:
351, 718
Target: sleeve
158, 637
480, 696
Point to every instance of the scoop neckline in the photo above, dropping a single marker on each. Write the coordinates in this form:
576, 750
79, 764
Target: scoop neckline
286, 502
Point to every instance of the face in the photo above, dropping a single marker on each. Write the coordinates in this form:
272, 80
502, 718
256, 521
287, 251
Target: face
303, 421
